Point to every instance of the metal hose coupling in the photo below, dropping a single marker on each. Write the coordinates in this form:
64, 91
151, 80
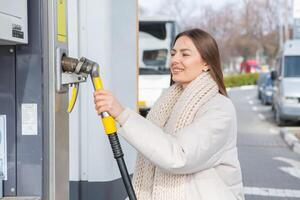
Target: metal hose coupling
69, 64
83, 65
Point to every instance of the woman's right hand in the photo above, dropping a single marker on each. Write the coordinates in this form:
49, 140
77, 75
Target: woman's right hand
106, 102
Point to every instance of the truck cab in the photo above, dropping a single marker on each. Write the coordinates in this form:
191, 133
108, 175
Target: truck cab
156, 35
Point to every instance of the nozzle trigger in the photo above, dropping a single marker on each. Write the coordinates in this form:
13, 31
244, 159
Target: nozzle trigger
74, 95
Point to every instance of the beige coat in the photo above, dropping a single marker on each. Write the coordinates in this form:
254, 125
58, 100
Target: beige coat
205, 149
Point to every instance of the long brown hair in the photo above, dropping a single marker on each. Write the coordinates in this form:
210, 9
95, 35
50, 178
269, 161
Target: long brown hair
209, 51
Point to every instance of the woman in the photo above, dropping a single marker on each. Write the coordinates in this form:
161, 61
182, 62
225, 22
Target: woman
187, 144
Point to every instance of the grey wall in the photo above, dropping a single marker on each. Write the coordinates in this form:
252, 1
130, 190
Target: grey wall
8, 108
29, 90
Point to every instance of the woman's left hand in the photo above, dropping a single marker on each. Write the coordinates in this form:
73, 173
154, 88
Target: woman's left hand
106, 102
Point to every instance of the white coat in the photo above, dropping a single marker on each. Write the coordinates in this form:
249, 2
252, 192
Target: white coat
205, 149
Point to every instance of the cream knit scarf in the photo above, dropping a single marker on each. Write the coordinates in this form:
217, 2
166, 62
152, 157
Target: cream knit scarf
177, 107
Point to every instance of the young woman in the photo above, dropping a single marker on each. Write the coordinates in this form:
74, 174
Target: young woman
187, 145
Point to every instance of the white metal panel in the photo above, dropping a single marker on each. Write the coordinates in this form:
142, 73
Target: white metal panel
124, 63
91, 156
13, 22
74, 126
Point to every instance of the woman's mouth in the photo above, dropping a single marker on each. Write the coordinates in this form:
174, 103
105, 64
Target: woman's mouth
177, 70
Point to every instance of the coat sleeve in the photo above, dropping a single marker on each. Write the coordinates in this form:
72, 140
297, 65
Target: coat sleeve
195, 147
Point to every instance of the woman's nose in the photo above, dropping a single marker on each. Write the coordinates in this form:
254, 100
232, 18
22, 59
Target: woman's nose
175, 59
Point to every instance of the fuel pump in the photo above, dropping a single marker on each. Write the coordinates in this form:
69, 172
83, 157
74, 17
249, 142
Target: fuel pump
76, 71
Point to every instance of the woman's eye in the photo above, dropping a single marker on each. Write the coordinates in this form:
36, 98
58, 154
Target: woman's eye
172, 54
185, 54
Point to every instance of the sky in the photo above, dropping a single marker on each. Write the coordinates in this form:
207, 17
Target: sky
152, 6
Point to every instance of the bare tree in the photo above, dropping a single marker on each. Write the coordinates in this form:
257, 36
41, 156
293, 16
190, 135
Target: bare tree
179, 10
241, 29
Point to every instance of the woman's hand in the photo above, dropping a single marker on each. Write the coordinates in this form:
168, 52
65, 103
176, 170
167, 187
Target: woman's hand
106, 102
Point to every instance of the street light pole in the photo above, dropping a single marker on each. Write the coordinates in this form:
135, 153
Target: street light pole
286, 23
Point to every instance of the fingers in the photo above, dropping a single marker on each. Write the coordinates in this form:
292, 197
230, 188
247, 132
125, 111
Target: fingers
103, 104
98, 98
102, 109
103, 100
106, 102
102, 92
102, 95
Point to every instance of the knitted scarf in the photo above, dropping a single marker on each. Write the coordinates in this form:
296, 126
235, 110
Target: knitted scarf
175, 109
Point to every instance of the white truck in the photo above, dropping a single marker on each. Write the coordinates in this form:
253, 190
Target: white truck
155, 41
286, 98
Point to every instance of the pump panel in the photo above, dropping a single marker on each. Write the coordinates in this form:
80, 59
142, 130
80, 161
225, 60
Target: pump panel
13, 22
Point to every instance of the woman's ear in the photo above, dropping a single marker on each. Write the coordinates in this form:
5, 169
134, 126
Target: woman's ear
206, 67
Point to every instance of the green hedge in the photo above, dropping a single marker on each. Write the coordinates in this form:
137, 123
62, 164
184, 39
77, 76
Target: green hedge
240, 79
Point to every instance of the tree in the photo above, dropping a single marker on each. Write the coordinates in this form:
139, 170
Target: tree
241, 29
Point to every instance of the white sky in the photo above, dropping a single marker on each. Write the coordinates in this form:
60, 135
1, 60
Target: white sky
151, 6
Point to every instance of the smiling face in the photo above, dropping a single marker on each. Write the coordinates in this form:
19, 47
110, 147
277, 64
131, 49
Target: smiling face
186, 61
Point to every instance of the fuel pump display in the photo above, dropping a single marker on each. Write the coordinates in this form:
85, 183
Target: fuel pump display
83, 68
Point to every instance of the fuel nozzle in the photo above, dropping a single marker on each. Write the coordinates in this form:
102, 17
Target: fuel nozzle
76, 71
84, 67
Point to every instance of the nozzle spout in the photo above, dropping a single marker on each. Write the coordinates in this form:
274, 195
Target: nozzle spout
83, 65
68, 64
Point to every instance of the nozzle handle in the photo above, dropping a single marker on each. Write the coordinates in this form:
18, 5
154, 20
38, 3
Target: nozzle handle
107, 120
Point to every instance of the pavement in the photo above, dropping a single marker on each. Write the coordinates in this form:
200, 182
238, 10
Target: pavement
291, 140
270, 168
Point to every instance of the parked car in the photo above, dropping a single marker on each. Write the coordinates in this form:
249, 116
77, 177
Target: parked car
267, 90
260, 82
286, 98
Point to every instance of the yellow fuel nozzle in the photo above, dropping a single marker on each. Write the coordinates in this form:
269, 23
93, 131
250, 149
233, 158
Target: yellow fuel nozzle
83, 68
74, 95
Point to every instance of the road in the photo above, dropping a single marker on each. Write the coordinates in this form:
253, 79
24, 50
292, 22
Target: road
270, 169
